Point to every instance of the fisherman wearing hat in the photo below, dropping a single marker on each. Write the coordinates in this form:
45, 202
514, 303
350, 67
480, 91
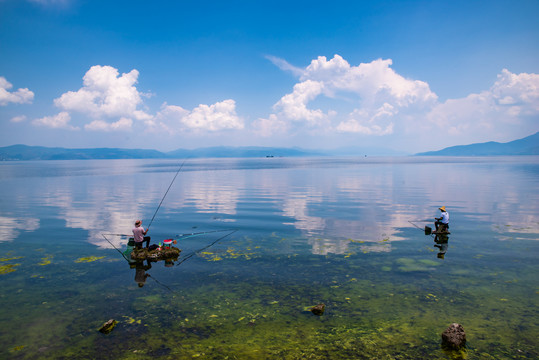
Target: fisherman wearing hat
443, 220
138, 234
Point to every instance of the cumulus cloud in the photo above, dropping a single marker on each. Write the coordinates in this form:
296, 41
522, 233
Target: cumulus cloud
106, 95
512, 100
373, 99
58, 121
219, 116
100, 125
21, 96
270, 126
374, 90
294, 106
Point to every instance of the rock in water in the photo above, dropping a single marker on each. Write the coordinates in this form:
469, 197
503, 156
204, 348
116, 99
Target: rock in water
318, 309
454, 337
108, 326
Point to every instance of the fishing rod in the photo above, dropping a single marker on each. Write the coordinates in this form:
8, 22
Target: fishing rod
153, 217
205, 247
121, 253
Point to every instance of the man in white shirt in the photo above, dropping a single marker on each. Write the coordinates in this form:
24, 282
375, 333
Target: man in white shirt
442, 221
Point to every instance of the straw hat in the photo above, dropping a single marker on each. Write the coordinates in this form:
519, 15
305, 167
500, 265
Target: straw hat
138, 222
442, 208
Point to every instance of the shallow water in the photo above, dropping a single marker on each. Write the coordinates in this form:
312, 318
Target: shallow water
292, 233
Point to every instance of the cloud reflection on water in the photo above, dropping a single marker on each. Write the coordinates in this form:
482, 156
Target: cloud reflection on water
331, 206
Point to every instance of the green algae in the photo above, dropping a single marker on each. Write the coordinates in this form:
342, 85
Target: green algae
260, 309
8, 268
11, 258
46, 260
410, 264
89, 259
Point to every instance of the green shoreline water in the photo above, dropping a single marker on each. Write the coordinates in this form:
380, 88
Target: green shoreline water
372, 310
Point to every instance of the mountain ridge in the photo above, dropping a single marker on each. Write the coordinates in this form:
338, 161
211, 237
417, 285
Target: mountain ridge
528, 145
525, 146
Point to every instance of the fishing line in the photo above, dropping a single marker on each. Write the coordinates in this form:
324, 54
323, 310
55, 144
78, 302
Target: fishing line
154, 279
422, 229
185, 236
121, 253
205, 247
153, 217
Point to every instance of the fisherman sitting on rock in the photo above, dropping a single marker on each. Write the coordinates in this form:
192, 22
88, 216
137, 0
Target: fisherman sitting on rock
138, 234
442, 223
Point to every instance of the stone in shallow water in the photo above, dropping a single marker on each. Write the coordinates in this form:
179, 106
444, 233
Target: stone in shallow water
108, 326
454, 337
318, 309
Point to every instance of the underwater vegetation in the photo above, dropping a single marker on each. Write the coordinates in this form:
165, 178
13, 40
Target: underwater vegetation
89, 259
243, 300
7, 268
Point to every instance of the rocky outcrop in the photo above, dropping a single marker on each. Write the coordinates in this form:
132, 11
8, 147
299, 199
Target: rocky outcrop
454, 337
318, 309
157, 254
108, 326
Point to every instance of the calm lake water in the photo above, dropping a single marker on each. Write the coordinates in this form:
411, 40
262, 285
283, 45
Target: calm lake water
274, 237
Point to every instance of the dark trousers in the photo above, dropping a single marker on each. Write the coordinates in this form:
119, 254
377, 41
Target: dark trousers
444, 227
146, 240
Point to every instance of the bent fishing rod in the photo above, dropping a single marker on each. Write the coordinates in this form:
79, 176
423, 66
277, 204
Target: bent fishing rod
164, 196
121, 253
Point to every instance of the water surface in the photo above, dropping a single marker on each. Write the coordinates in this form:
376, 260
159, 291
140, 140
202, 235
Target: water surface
282, 236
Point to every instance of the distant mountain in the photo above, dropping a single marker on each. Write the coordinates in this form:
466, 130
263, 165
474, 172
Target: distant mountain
24, 152
526, 146
241, 152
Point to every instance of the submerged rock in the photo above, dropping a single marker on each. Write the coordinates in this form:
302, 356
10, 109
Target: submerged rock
454, 337
108, 326
318, 309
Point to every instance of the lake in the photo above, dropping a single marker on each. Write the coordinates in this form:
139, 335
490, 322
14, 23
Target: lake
264, 240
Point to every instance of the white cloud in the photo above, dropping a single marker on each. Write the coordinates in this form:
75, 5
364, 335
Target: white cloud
373, 82
106, 94
219, 116
294, 106
373, 99
58, 121
100, 125
21, 96
285, 66
18, 119
378, 95
271, 125
512, 100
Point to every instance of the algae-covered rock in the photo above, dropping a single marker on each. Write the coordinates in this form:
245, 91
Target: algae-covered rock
108, 326
157, 254
454, 337
318, 309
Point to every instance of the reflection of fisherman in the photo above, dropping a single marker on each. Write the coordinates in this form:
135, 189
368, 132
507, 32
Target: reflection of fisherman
140, 272
138, 234
443, 221
441, 241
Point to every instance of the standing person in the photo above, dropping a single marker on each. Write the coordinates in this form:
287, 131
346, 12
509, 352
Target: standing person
138, 234
443, 220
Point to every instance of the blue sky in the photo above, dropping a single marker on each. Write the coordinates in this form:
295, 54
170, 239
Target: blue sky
405, 75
